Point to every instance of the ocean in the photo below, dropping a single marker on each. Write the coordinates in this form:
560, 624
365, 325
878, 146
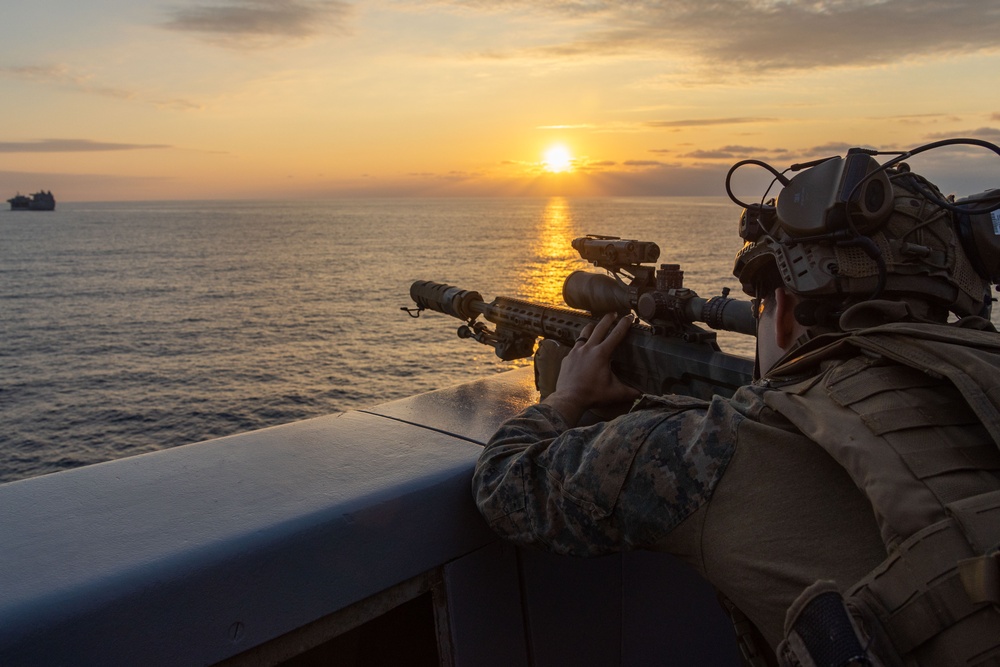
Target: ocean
131, 327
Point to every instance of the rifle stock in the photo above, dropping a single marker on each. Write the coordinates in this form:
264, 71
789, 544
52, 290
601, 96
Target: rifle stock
687, 362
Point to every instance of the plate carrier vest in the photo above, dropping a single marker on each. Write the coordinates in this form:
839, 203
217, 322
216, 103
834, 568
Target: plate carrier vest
915, 421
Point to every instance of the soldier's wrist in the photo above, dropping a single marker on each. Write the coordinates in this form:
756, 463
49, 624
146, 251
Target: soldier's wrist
569, 408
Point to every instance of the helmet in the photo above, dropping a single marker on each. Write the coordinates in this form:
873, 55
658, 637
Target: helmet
847, 230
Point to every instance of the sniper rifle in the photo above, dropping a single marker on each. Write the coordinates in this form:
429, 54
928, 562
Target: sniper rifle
664, 353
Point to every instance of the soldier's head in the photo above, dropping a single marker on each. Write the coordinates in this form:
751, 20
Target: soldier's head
848, 230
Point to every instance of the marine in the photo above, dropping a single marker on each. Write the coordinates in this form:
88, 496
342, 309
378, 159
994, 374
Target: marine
847, 502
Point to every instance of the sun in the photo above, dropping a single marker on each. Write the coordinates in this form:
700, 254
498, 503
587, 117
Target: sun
557, 160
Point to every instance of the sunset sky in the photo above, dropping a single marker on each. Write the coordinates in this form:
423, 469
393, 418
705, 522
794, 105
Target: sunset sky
195, 99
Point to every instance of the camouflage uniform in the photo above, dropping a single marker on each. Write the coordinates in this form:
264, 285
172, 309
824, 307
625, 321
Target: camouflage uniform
599, 489
723, 484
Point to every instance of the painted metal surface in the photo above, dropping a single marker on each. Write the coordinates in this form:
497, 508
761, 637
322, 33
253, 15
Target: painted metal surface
190, 555
474, 411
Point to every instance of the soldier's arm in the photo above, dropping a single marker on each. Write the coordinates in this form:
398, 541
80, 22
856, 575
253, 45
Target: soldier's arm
609, 487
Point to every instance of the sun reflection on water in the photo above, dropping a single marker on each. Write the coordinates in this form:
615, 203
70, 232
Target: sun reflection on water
553, 255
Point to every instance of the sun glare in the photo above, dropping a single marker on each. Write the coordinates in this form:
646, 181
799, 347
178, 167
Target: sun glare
557, 160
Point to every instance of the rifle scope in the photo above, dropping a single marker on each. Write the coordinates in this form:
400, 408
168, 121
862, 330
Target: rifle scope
600, 293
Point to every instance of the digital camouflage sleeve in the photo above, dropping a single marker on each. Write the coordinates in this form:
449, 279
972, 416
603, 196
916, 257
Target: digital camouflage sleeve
613, 486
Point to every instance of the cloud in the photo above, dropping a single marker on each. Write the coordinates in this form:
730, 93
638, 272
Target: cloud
662, 179
259, 23
828, 149
727, 152
986, 133
63, 77
917, 117
709, 155
70, 146
642, 163
754, 37
702, 122
679, 124
454, 175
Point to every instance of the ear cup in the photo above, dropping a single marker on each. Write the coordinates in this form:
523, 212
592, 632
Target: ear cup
872, 205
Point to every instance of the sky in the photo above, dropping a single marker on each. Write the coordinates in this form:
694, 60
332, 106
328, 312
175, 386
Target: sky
222, 99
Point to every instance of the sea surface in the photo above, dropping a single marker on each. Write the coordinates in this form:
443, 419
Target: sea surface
127, 328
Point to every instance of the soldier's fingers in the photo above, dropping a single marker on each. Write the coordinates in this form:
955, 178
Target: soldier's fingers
603, 327
618, 333
585, 334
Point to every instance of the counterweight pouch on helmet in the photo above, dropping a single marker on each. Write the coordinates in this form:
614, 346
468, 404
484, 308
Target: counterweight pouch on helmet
980, 232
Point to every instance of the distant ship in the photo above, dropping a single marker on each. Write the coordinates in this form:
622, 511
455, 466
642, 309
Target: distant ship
40, 201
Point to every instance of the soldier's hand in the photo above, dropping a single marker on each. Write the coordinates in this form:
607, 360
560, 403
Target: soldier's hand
585, 378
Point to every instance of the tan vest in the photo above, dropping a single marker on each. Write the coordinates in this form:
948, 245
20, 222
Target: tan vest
915, 421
